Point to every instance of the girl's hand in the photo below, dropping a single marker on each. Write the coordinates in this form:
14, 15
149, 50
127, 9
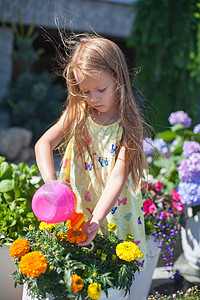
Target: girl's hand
91, 228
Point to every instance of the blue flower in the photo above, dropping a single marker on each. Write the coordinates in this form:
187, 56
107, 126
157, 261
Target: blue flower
148, 146
161, 146
196, 129
180, 117
190, 192
189, 169
190, 147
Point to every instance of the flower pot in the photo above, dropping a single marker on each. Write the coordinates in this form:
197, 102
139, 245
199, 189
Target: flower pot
139, 290
190, 235
7, 289
113, 294
141, 286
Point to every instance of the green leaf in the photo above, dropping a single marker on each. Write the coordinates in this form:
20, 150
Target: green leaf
9, 196
167, 135
6, 185
5, 171
177, 127
68, 279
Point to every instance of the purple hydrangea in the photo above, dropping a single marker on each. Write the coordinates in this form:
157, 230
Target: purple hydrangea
180, 117
196, 129
161, 146
148, 146
189, 169
190, 192
190, 147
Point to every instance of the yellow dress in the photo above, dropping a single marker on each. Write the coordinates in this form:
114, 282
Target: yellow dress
127, 213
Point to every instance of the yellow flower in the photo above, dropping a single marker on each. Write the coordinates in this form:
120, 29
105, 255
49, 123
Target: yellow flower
128, 251
46, 247
44, 226
31, 227
33, 264
98, 252
112, 226
77, 283
37, 244
94, 291
103, 256
114, 256
19, 248
129, 237
50, 267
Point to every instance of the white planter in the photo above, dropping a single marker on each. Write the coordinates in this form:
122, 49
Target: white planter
191, 241
141, 286
113, 294
7, 267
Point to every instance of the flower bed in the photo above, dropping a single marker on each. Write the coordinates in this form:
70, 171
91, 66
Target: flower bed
56, 265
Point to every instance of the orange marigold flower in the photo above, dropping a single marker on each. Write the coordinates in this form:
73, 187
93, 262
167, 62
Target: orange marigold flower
19, 248
33, 264
77, 283
61, 236
76, 236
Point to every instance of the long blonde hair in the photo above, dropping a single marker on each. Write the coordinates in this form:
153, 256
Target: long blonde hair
91, 53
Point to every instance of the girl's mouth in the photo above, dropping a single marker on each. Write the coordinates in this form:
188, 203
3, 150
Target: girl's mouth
96, 106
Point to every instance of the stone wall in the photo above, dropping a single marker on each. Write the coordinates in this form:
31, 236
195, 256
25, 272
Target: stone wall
111, 18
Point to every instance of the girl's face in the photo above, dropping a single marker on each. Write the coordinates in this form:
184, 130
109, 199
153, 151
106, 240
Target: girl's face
99, 91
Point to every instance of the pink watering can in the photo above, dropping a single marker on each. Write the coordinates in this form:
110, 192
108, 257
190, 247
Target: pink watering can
54, 202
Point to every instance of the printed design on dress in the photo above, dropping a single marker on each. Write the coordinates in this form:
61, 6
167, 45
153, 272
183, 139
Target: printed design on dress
103, 161
139, 221
135, 242
87, 196
65, 163
90, 210
140, 264
120, 124
114, 148
128, 216
88, 166
123, 201
113, 210
88, 139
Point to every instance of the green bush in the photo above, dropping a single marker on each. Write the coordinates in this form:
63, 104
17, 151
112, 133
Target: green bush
16, 192
34, 101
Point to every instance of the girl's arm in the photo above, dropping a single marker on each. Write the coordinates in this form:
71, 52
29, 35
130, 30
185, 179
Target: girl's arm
44, 150
108, 198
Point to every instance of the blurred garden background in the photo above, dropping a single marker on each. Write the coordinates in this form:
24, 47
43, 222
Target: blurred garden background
161, 42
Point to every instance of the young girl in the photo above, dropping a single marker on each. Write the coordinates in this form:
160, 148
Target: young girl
103, 134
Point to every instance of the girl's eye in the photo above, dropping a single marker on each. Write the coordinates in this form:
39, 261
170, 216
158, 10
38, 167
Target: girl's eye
102, 90
85, 92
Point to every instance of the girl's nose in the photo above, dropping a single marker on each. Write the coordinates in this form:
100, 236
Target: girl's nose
94, 97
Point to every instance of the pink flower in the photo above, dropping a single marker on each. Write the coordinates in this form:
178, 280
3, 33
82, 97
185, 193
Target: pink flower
178, 206
175, 195
167, 214
158, 186
148, 206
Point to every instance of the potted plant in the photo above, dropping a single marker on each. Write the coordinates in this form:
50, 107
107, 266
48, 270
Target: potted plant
51, 264
189, 189
16, 191
174, 157
162, 211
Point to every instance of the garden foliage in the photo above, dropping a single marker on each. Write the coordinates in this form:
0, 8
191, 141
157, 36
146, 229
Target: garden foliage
16, 192
166, 41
